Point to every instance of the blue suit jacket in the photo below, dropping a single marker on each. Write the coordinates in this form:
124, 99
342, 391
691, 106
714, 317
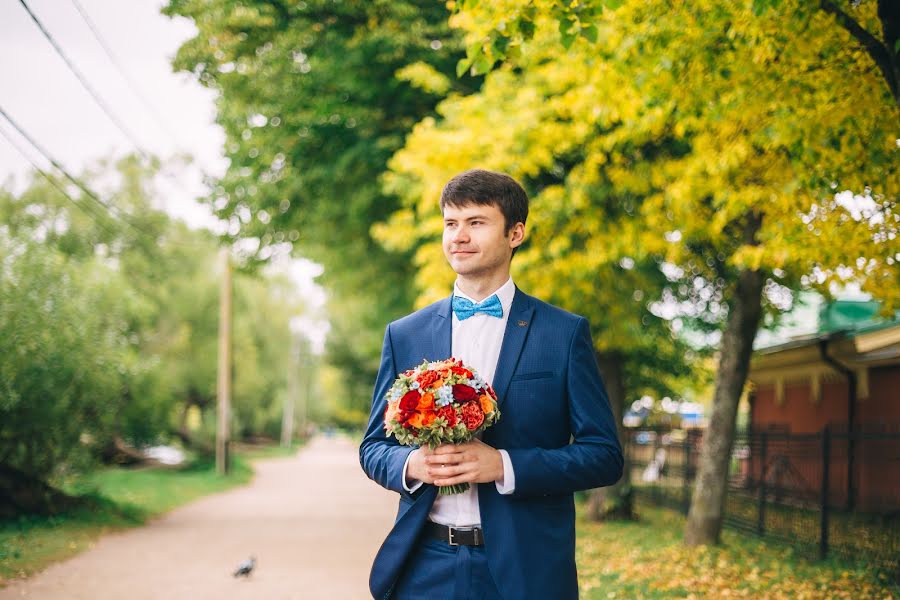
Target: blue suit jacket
555, 424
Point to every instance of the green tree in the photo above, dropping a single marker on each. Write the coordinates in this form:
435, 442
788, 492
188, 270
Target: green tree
109, 325
315, 96
62, 356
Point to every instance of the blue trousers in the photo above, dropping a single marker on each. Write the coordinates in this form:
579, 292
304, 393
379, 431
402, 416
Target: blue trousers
438, 571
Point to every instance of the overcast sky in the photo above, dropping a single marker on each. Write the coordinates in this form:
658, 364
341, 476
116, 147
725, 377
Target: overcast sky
42, 95
39, 91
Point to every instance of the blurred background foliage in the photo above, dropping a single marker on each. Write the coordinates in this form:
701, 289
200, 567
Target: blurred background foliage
687, 163
109, 325
651, 138
692, 166
315, 97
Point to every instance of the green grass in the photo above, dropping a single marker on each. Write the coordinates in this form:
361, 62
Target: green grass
646, 559
115, 498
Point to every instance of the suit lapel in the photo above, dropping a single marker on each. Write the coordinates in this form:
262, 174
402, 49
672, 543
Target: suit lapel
517, 326
441, 331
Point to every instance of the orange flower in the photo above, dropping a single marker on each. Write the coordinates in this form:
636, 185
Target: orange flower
427, 378
419, 420
487, 405
426, 403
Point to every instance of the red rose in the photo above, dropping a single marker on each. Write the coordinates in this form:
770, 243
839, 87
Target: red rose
472, 415
410, 401
464, 393
448, 413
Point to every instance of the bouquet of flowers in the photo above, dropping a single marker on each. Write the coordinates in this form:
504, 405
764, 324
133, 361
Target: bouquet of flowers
436, 403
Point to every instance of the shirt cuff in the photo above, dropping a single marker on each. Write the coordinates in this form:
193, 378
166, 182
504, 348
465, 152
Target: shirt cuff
416, 484
507, 485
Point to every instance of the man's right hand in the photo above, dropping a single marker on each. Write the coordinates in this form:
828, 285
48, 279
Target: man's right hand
416, 469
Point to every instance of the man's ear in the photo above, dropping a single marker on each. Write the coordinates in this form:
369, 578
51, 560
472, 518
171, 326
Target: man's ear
517, 235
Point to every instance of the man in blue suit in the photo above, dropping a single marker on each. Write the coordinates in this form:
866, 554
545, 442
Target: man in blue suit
512, 535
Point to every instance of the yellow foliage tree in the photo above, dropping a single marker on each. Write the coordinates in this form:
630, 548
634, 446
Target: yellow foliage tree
706, 137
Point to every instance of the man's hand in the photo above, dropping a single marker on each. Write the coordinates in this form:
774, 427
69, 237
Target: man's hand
472, 462
416, 469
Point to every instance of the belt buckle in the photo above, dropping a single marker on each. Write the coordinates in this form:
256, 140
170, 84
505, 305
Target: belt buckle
450, 536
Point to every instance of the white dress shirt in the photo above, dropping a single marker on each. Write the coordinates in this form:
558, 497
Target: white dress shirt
476, 341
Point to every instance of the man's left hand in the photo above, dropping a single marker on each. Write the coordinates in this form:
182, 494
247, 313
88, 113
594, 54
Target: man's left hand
472, 462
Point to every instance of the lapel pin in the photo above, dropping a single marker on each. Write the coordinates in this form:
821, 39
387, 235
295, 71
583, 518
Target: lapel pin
523, 323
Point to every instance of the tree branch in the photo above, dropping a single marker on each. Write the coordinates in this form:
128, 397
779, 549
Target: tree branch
881, 54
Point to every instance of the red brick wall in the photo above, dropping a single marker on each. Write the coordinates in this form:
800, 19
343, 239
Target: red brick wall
798, 412
803, 416
874, 491
883, 403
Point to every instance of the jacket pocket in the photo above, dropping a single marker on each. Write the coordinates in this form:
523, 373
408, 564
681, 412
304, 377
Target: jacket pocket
538, 375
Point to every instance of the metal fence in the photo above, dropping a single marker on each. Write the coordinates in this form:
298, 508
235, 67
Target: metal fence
836, 492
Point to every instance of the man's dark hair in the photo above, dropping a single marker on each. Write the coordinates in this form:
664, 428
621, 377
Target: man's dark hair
479, 186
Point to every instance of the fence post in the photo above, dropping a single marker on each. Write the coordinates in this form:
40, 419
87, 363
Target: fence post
826, 463
686, 475
761, 500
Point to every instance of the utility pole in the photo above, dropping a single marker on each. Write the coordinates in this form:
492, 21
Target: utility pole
304, 410
287, 416
223, 388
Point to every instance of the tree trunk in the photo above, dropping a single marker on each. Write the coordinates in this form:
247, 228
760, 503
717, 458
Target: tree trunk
615, 501
118, 452
884, 52
22, 494
889, 14
708, 501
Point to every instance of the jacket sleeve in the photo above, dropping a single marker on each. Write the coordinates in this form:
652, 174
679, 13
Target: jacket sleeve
382, 457
594, 456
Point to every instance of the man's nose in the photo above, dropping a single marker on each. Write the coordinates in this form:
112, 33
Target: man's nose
461, 234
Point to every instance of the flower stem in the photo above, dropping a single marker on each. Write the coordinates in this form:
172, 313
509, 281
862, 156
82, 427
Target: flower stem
459, 488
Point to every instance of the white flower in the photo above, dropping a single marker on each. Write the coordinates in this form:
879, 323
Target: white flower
444, 395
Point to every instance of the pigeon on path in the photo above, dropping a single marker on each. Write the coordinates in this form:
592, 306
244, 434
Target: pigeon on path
245, 568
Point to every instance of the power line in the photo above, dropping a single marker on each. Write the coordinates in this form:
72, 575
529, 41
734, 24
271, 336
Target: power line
151, 109
84, 82
110, 209
81, 206
55, 163
94, 94
123, 72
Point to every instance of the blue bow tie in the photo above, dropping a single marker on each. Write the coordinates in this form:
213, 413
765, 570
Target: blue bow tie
465, 308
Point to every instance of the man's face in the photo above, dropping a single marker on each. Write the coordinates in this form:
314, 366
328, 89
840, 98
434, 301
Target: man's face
475, 241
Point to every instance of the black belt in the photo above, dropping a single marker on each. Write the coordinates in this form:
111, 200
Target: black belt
455, 536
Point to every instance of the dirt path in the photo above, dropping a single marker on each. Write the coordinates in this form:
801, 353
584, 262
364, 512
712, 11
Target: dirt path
313, 521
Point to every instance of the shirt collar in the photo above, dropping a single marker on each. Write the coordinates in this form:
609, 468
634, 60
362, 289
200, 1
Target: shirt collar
505, 293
